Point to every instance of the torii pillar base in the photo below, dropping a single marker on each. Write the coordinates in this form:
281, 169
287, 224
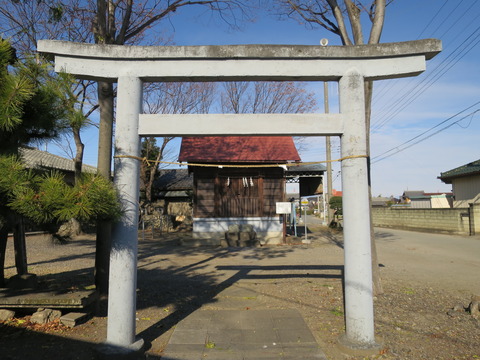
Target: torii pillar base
111, 352
354, 349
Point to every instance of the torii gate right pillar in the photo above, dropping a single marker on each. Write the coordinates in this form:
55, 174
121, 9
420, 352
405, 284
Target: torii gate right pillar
359, 321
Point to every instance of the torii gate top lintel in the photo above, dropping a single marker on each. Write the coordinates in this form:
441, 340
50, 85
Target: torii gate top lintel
311, 62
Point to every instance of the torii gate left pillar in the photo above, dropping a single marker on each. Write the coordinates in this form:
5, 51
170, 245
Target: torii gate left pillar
349, 65
122, 292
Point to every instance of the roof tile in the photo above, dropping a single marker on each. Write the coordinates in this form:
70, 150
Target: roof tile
472, 168
243, 149
38, 159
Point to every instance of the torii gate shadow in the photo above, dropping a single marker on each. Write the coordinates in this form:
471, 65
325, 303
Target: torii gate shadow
194, 285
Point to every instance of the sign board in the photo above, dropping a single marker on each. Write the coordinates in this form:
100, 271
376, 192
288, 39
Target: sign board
304, 202
284, 207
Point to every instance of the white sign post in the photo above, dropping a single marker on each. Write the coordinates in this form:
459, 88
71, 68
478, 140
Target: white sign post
284, 208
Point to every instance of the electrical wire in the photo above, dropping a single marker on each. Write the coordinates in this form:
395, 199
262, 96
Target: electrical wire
440, 70
447, 16
432, 19
387, 86
418, 139
410, 94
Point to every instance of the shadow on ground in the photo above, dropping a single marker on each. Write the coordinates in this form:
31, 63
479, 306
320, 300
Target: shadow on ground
167, 274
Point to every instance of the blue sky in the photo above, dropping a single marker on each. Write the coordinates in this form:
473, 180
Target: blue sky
403, 109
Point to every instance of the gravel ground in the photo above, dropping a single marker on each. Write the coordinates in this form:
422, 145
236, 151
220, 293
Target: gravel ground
412, 317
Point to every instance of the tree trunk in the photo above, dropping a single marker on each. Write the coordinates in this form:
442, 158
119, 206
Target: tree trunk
102, 254
378, 21
376, 278
377, 17
78, 161
337, 12
79, 146
3, 249
149, 186
20, 246
354, 16
105, 101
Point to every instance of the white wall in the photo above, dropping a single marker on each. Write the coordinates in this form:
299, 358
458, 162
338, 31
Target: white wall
269, 229
466, 188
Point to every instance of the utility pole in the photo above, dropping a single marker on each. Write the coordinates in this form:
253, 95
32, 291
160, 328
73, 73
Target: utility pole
329, 212
328, 146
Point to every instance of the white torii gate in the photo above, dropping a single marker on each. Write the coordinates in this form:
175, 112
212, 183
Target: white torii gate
130, 66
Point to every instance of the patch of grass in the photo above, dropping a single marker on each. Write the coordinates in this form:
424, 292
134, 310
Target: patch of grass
337, 311
210, 345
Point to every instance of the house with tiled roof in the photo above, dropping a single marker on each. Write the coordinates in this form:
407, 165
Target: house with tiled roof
419, 199
465, 182
36, 159
173, 183
238, 180
172, 190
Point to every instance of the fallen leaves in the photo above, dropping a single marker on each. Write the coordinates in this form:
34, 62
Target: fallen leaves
24, 323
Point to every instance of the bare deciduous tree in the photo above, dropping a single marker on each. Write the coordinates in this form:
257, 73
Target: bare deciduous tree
108, 22
127, 21
335, 16
288, 97
170, 98
266, 97
26, 22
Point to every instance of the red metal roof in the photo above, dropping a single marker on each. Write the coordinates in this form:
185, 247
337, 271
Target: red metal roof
248, 149
337, 193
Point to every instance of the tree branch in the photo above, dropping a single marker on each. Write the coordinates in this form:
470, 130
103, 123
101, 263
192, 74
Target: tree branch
95, 107
99, 27
337, 12
354, 16
125, 23
111, 21
378, 20
316, 17
171, 8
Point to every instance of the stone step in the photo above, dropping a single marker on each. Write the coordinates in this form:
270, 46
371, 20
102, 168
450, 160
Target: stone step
73, 319
10, 298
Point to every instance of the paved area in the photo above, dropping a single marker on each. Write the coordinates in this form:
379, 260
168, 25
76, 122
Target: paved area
234, 330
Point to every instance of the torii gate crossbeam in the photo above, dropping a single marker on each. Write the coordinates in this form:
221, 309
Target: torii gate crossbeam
130, 66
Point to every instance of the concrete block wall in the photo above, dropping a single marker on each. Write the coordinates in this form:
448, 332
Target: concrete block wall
454, 221
476, 218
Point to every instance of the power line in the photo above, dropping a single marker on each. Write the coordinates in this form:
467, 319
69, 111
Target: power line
425, 132
432, 19
417, 139
459, 18
447, 16
441, 69
409, 94
386, 88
